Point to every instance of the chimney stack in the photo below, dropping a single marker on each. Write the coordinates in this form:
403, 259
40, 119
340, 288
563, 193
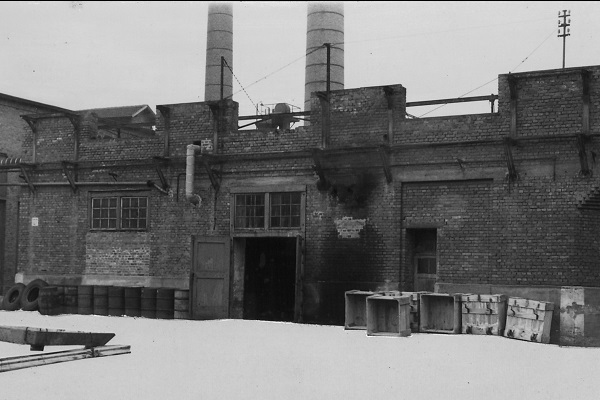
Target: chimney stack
325, 24
219, 43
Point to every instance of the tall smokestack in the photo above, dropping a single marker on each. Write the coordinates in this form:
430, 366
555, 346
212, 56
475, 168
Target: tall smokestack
219, 43
325, 24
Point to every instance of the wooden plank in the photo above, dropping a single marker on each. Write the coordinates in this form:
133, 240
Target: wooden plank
527, 303
40, 337
472, 307
527, 313
20, 362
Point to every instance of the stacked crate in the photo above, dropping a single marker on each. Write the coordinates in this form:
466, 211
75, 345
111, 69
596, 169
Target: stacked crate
528, 320
388, 314
483, 314
440, 313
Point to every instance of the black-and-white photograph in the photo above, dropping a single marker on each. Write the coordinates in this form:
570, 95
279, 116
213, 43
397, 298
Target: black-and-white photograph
299, 200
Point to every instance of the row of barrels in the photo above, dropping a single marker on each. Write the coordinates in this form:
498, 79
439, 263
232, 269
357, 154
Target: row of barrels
161, 303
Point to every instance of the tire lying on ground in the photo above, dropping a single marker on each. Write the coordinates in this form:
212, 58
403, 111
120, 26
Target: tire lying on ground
31, 294
12, 298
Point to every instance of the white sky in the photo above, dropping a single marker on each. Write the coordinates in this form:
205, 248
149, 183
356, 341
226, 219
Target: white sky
83, 54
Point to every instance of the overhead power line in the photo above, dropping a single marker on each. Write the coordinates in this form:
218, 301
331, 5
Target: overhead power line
496, 78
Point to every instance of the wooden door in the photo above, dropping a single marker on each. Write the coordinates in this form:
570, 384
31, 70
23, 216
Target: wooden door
209, 280
425, 272
299, 279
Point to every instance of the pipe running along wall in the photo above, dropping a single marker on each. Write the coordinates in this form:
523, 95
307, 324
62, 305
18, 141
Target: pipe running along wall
189, 174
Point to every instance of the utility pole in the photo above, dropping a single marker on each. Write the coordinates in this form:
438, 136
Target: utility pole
564, 24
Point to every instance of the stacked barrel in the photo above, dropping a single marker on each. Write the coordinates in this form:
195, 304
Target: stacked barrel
146, 302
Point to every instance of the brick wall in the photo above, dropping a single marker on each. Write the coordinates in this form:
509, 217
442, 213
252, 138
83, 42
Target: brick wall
448, 172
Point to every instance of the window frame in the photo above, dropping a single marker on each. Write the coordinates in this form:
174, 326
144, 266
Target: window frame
267, 192
119, 210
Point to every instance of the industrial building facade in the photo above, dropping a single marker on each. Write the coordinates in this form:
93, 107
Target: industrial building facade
278, 223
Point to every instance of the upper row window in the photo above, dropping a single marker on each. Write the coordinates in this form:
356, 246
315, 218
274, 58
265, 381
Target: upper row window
119, 213
284, 210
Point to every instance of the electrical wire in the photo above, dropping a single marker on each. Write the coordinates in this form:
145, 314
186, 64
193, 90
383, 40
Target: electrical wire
239, 83
276, 71
496, 78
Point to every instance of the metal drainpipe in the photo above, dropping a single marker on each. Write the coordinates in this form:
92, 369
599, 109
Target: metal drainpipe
189, 174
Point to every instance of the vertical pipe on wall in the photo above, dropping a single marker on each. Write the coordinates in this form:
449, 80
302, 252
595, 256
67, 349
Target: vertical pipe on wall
189, 174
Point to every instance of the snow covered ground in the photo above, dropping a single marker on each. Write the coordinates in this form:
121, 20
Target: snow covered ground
237, 359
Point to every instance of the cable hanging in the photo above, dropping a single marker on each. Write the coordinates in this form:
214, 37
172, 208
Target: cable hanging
496, 78
274, 72
239, 83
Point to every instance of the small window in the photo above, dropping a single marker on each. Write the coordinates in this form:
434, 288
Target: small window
250, 210
268, 210
119, 213
134, 212
285, 210
104, 213
426, 265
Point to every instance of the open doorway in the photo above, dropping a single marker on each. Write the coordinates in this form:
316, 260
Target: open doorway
270, 279
423, 250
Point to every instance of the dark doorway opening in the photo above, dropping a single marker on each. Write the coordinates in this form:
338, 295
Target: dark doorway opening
269, 279
423, 251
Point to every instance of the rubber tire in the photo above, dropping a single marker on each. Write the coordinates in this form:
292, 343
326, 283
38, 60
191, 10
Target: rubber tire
31, 294
12, 298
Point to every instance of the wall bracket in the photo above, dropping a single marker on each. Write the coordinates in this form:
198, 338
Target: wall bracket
583, 161
214, 175
384, 152
512, 173
70, 170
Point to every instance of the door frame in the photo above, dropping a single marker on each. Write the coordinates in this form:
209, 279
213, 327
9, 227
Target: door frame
226, 241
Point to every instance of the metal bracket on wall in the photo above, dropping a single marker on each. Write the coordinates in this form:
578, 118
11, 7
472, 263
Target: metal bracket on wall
325, 100
158, 163
384, 152
25, 176
322, 184
583, 161
166, 113
510, 164
70, 170
214, 175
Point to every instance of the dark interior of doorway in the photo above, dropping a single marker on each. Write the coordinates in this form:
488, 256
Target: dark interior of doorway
269, 279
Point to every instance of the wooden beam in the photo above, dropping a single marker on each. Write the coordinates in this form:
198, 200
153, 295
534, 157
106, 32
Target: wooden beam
32, 122
383, 152
583, 161
166, 112
76, 122
510, 164
389, 95
158, 161
325, 118
512, 84
70, 174
27, 179
585, 77
323, 184
28, 361
213, 175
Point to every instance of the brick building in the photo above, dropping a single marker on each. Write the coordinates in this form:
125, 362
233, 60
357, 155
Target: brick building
278, 223
13, 130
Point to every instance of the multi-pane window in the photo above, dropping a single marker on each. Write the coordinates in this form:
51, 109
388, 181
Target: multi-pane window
285, 210
104, 213
268, 210
250, 210
119, 213
134, 211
